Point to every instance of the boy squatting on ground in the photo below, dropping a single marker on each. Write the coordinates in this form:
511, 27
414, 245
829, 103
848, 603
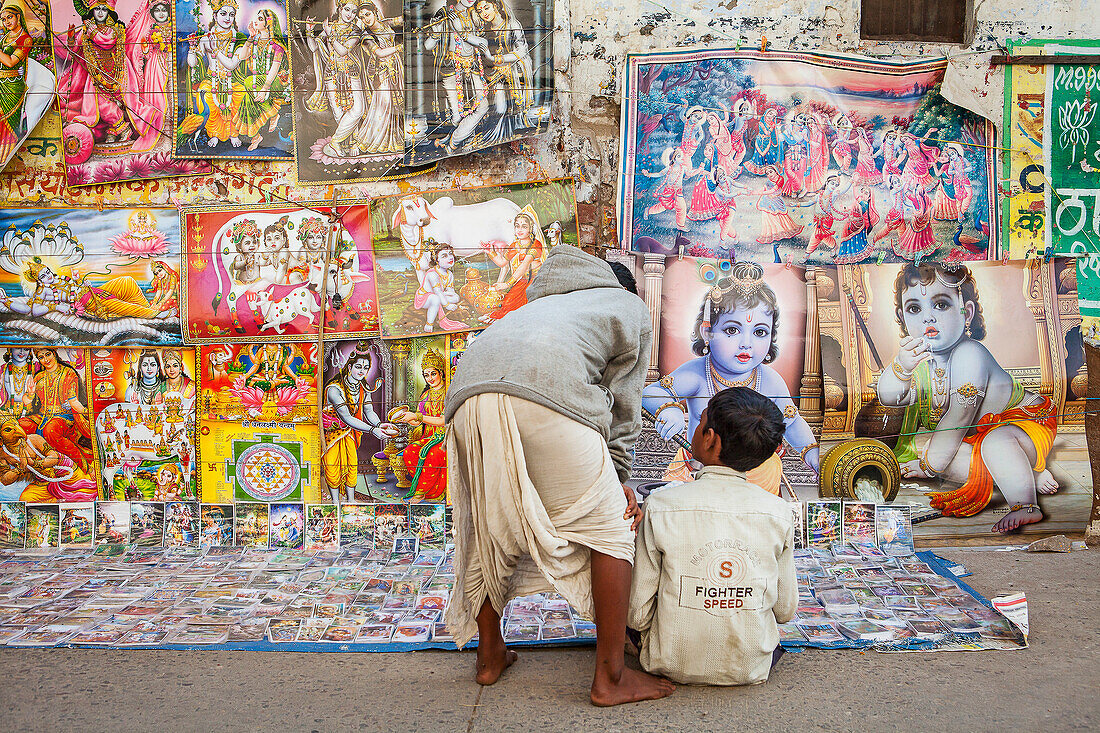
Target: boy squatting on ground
714, 564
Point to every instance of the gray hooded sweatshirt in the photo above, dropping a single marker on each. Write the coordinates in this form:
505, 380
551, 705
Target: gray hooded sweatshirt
580, 346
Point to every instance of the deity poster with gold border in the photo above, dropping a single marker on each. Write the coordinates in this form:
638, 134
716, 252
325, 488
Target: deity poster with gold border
265, 462
725, 324
258, 274
114, 89
383, 419
90, 277
144, 406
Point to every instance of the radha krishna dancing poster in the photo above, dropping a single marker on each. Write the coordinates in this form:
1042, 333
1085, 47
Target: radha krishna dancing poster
801, 157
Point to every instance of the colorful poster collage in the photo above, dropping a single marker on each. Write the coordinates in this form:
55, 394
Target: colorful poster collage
276, 393
800, 157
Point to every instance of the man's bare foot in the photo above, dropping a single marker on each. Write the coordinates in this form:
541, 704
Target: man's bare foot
633, 686
255, 142
492, 666
1045, 483
1015, 520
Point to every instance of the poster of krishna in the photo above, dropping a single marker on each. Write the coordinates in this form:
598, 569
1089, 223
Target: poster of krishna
803, 158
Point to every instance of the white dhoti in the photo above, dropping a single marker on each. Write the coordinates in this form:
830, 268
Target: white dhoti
533, 493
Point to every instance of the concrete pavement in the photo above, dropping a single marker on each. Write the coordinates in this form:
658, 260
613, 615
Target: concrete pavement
1051, 686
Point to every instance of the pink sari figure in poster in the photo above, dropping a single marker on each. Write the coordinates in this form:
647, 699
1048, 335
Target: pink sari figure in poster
775, 221
915, 239
919, 160
729, 149
99, 88
817, 148
148, 45
867, 172
795, 167
956, 189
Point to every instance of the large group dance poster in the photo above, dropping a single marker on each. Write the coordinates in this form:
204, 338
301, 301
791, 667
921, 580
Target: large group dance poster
799, 157
26, 72
232, 73
988, 431
477, 73
90, 277
349, 101
114, 90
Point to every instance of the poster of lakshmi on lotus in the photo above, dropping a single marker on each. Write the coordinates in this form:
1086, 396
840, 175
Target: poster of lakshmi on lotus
803, 158
723, 325
988, 431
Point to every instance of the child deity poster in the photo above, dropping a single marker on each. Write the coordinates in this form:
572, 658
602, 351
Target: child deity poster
726, 324
113, 62
478, 73
801, 157
988, 431
458, 260
259, 274
349, 102
90, 277
27, 82
232, 80
46, 426
383, 420
144, 405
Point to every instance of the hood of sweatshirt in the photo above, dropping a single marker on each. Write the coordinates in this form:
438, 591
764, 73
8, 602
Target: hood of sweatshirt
568, 269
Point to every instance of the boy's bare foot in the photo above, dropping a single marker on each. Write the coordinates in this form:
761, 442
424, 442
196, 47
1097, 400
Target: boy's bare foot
1045, 483
1015, 520
492, 664
632, 686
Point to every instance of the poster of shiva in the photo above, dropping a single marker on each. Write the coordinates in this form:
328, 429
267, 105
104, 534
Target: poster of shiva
46, 443
478, 73
261, 274
804, 158
383, 420
144, 406
114, 90
90, 277
987, 432
232, 80
725, 324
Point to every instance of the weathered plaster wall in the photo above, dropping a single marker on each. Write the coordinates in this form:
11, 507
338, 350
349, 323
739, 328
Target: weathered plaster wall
601, 32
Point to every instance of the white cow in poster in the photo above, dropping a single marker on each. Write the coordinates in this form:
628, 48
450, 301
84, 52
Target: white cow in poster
466, 227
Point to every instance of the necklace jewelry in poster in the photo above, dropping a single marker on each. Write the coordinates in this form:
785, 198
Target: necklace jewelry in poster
232, 80
114, 90
480, 73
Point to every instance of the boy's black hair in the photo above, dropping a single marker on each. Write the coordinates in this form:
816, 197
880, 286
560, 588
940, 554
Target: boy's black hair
625, 276
749, 424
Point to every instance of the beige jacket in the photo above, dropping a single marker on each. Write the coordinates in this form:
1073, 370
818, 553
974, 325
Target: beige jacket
713, 575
